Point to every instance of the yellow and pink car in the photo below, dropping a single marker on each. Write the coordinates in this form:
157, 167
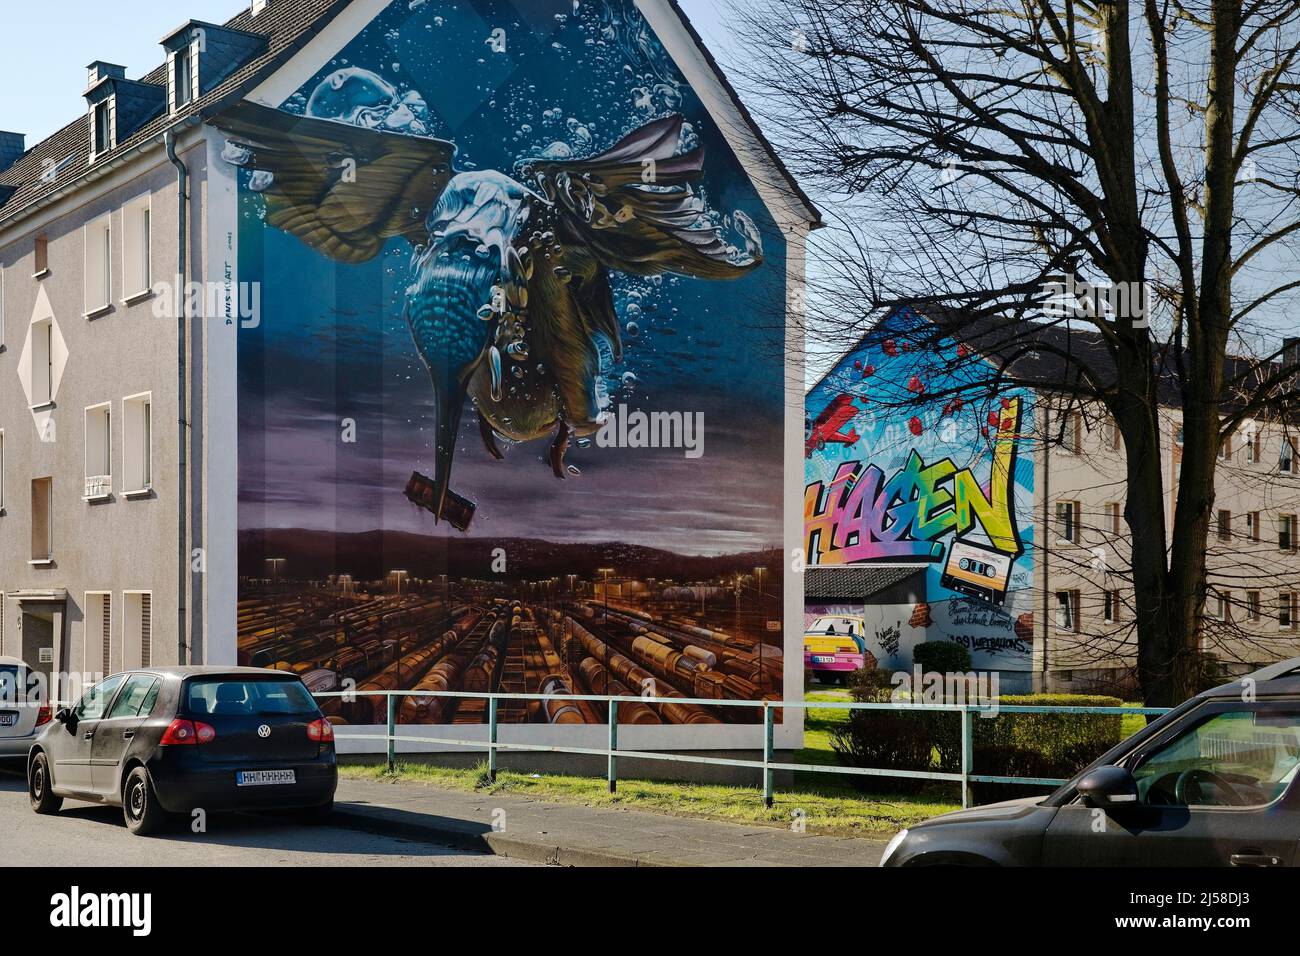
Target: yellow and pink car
834, 646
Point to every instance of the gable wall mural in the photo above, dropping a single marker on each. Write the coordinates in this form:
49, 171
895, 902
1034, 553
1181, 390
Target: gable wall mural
904, 466
511, 418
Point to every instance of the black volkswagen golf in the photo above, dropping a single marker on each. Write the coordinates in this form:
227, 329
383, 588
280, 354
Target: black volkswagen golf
170, 740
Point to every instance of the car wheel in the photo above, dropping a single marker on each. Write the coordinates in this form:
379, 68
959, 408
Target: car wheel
140, 807
38, 787
316, 815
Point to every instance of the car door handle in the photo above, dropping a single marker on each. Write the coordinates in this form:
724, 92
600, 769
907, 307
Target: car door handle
1254, 859
88, 734
128, 734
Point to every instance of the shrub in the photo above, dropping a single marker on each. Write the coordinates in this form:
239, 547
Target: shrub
882, 739
943, 657
1040, 745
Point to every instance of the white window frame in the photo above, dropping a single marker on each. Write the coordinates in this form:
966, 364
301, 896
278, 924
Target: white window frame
40, 360
136, 484
99, 474
109, 106
1286, 456
49, 522
137, 249
98, 273
132, 630
1254, 605
92, 666
1071, 609
1288, 522
1110, 606
1076, 520
1286, 602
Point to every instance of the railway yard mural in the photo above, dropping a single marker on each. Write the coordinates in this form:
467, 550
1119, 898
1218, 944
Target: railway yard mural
511, 417
906, 466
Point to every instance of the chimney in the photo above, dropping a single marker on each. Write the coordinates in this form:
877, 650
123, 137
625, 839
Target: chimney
100, 70
259, 6
12, 146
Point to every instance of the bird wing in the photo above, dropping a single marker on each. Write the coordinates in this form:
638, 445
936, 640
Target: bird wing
634, 208
341, 189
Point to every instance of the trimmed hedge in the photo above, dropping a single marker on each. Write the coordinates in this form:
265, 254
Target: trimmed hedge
1007, 745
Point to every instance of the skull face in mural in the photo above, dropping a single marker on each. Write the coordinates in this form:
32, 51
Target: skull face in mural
510, 303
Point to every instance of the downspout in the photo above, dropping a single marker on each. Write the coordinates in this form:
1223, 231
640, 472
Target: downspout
1046, 447
182, 516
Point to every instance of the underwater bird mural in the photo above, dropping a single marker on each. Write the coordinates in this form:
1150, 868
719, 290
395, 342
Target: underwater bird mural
510, 303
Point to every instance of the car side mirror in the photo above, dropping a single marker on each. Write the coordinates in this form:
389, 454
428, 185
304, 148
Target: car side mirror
1108, 787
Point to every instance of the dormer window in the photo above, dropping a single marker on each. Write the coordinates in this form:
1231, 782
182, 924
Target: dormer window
183, 76
103, 133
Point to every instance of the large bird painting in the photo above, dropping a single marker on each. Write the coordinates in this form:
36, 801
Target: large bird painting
510, 303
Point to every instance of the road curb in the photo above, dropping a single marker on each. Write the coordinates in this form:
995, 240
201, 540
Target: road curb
463, 835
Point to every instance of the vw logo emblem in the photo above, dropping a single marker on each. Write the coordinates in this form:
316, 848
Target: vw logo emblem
264, 730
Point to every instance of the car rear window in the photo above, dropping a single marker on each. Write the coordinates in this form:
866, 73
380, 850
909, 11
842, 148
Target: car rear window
11, 684
224, 696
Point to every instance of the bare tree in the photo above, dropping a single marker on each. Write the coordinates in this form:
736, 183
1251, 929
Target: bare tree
979, 152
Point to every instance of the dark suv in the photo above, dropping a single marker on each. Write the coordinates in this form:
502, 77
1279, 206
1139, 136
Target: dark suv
1211, 783
169, 740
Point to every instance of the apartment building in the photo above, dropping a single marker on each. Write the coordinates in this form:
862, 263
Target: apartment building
947, 499
256, 299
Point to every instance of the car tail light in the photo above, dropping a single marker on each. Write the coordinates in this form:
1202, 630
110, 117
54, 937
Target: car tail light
321, 731
182, 732
43, 714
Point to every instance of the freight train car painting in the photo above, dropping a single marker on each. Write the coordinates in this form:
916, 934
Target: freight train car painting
512, 415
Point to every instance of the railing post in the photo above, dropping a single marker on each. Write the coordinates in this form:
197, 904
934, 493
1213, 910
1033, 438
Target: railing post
492, 739
392, 731
768, 719
611, 773
967, 755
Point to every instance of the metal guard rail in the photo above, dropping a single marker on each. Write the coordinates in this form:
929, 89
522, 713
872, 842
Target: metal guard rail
767, 765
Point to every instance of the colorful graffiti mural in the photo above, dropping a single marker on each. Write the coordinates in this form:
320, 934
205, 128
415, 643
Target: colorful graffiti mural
481, 226
895, 477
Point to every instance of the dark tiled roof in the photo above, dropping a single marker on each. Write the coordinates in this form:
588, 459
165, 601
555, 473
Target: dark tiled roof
286, 24
854, 582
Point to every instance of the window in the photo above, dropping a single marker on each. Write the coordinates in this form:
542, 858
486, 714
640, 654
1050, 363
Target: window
1252, 525
1113, 516
41, 257
97, 641
1110, 435
1230, 759
137, 628
42, 520
1111, 608
137, 697
1067, 610
1222, 606
1067, 520
183, 76
1225, 448
137, 440
204, 696
1178, 436
95, 701
103, 128
1286, 533
1286, 610
99, 258
41, 357
1225, 524
1252, 445
136, 274
99, 454
1252, 606
1286, 458
1070, 432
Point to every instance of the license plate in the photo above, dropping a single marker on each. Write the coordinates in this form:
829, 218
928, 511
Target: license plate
9, 719
263, 778
823, 660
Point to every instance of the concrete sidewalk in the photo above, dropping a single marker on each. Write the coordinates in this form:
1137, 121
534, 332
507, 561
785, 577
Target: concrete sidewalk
569, 835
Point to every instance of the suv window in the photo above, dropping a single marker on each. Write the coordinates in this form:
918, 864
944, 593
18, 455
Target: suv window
140, 689
92, 703
1231, 759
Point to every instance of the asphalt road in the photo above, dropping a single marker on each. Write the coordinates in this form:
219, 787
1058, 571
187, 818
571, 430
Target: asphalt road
84, 834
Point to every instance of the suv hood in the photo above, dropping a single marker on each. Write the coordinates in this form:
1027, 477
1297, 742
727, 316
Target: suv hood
1006, 810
